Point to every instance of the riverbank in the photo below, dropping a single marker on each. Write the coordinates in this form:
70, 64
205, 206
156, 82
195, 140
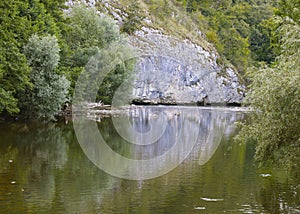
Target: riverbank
95, 111
99, 110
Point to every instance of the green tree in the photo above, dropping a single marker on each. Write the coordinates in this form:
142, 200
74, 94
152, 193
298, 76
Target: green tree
104, 74
88, 35
235, 48
13, 68
236, 29
275, 98
18, 21
50, 89
260, 44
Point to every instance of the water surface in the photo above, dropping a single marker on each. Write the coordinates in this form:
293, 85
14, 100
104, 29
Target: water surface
44, 169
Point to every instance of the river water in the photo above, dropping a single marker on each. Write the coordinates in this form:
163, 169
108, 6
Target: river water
196, 167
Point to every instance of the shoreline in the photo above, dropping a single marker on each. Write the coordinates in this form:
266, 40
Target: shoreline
93, 110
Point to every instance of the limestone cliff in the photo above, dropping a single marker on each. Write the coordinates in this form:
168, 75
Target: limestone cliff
172, 69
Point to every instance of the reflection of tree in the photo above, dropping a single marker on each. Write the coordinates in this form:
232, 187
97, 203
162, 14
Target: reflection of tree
50, 167
277, 197
36, 150
56, 176
47, 150
112, 138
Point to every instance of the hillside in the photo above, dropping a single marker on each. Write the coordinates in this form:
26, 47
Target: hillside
238, 29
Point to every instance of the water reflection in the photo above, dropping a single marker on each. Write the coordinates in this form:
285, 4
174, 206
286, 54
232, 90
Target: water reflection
153, 141
39, 168
177, 124
53, 175
280, 197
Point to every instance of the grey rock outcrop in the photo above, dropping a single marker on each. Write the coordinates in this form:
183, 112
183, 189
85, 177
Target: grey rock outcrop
171, 71
176, 71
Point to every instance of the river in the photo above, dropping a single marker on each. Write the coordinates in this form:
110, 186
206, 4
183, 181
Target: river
195, 166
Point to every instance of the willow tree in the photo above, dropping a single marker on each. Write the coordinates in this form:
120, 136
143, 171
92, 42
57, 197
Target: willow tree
50, 89
20, 19
275, 98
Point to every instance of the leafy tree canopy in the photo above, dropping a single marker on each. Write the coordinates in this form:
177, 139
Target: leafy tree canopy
275, 98
18, 21
50, 89
88, 35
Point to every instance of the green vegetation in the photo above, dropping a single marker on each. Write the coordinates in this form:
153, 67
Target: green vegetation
88, 35
134, 19
13, 68
40, 45
19, 20
237, 28
240, 30
274, 96
49, 89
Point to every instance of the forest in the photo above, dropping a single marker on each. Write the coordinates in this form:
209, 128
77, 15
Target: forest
45, 46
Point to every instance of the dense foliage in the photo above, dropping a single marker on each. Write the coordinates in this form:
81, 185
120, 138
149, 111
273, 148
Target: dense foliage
49, 89
274, 95
42, 41
87, 36
238, 28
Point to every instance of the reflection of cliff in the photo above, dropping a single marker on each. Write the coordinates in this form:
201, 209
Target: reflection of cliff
182, 123
179, 191
151, 141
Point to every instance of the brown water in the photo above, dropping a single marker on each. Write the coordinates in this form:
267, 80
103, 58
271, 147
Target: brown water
43, 169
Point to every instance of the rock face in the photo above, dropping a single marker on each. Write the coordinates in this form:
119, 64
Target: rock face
170, 71
176, 71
